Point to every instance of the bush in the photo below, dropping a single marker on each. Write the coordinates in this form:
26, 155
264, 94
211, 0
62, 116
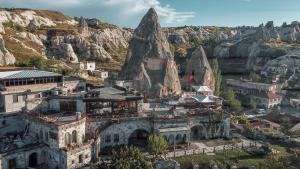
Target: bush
34, 61
254, 77
235, 104
157, 145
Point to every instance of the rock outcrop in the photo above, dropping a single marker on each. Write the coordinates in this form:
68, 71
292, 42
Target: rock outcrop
83, 28
82, 47
2, 30
69, 54
6, 58
24, 18
150, 63
198, 71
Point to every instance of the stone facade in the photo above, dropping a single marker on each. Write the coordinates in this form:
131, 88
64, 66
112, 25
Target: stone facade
55, 142
173, 130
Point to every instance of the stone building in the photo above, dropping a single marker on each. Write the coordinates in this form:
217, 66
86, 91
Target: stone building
48, 141
295, 103
20, 85
123, 118
64, 128
91, 66
247, 87
267, 100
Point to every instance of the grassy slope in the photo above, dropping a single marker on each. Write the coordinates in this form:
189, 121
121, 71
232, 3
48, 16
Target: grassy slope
239, 158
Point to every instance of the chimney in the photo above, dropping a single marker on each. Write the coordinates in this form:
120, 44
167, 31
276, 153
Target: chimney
78, 115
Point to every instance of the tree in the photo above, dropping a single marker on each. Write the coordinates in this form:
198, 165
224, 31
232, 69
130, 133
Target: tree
285, 85
157, 145
35, 61
235, 104
254, 77
218, 76
38, 62
127, 158
253, 104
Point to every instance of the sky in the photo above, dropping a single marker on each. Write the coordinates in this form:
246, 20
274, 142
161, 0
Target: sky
128, 13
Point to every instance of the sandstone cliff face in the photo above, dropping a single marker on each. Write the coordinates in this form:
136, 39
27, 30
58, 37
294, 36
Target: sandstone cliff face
149, 62
198, 70
6, 58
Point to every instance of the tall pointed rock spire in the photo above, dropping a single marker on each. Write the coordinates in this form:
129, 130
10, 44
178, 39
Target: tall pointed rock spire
150, 63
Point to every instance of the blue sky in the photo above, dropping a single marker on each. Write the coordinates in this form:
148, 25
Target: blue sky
174, 12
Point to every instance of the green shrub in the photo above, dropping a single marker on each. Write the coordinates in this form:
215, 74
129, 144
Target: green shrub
34, 61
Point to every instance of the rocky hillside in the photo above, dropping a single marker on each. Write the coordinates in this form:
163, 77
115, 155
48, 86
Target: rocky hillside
61, 39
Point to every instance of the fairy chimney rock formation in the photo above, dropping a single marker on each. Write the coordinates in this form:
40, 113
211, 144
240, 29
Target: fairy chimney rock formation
198, 71
150, 63
83, 28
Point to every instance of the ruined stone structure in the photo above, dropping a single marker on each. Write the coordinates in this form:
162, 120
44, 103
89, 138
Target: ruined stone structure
176, 130
52, 141
150, 63
64, 128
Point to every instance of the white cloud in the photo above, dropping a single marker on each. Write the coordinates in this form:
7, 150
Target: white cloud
138, 7
121, 12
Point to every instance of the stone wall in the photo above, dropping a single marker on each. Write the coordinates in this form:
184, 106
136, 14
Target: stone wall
21, 157
36, 105
77, 157
35, 87
124, 130
68, 130
11, 123
54, 104
173, 128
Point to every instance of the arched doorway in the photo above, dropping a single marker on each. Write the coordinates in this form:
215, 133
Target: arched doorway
138, 138
33, 160
197, 133
74, 136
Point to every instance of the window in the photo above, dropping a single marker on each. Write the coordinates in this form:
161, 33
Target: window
41, 134
24, 97
37, 96
80, 159
67, 139
4, 122
15, 99
116, 138
107, 139
46, 136
86, 156
53, 135
74, 136
73, 161
68, 106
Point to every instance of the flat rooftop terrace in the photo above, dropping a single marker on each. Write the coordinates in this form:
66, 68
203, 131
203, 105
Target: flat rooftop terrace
55, 118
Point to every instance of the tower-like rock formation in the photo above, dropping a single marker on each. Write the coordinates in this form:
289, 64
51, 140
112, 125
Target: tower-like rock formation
83, 28
198, 71
150, 63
